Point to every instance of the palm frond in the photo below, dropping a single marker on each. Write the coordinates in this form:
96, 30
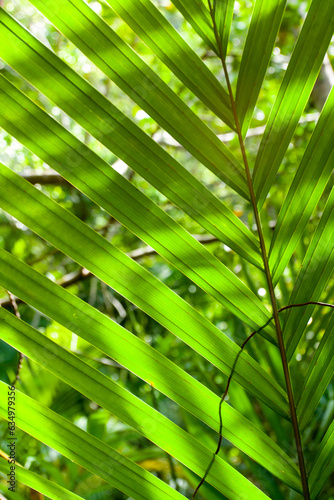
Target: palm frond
298, 268
295, 90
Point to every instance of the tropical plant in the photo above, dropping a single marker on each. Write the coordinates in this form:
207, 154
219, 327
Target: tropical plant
267, 377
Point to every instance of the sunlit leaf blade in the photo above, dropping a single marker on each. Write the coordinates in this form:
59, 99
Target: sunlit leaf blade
92, 251
38, 482
120, 63
308, 184
223, 14
197, 14
98, 116
318, 377
144, 361
293, 95
124, 405
84, 449
323, 465
162, 38
260, 41
96, 179
317, 269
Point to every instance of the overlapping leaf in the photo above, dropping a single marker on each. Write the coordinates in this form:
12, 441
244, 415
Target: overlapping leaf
143, 360
99, 117
223, 15
318, 377
308, 184
197, 14
294, 92
84, 449
154, 29
96, 179
265, 22
127, 407
323, 464
92, 251
131, 215
118, 61
317, 269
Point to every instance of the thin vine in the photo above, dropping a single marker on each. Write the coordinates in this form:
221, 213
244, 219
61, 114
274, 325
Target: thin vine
223, 398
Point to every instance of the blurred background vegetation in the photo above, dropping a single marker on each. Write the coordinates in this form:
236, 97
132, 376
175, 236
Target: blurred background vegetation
19, 240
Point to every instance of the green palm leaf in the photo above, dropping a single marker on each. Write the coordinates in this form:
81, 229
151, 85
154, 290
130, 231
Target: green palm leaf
266, 18
323, 464
197, 14
131, 280
146, 20
146, 88
316, 270
309, 182
223, 13
141, 215
294, 92
318, 376
130, 409
98, 116
39, 483
144, 361
84, 449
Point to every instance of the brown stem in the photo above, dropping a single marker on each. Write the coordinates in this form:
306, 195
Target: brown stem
293, 413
